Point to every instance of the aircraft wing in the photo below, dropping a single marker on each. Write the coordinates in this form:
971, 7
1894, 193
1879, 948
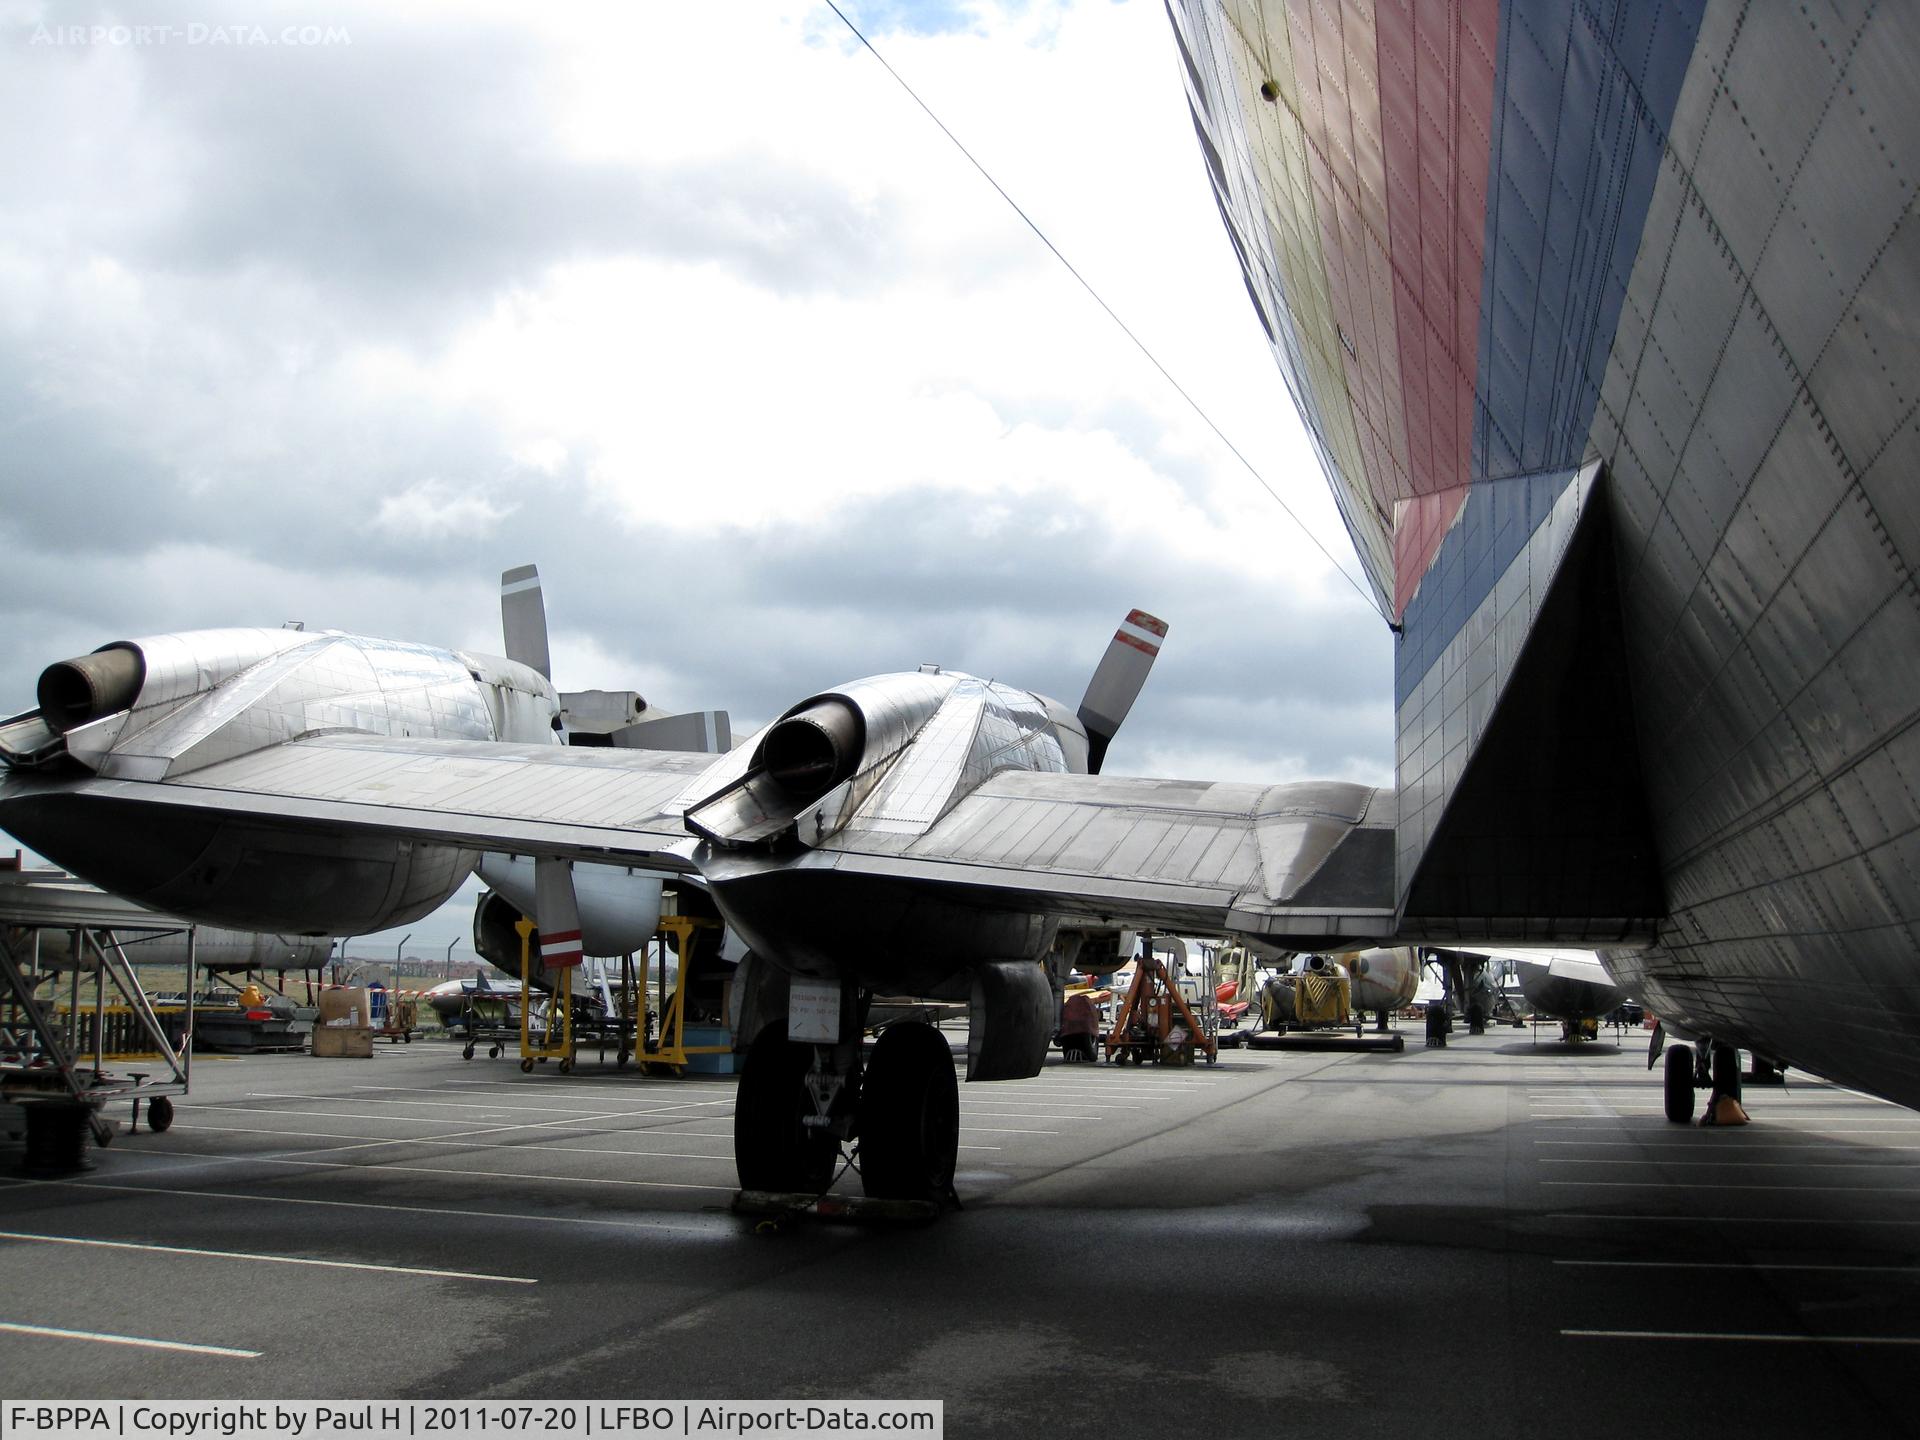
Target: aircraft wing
1299, 863
1306, 861
605, 805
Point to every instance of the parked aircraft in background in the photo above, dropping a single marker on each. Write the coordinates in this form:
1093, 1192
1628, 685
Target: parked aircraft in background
1572, 987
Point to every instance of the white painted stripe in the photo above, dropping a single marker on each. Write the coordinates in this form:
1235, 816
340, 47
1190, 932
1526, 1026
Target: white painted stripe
1753, 1336
1754, 1164
1717, 1143
1015, 1100
545, 1218
1003, 1130
460, 1143
1020, 1115
270, 1259
1734, 1219
1783, 1129
101, 1338
432, 1104
446, 1172
1733, 1265
1724, 1185
532, 582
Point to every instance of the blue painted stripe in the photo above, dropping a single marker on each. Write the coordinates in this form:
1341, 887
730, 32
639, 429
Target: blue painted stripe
1584, 94
1493, 527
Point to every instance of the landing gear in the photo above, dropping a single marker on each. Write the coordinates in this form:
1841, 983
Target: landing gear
1726, 1071
774, 1148
1679, 1083
159, 1114
909, 1116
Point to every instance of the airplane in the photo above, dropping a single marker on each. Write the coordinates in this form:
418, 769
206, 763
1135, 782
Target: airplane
1600, 320
334, 783
1572, 987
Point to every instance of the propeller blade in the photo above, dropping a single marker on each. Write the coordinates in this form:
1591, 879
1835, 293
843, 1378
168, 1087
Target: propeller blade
558, 913
1116, 682
523, 618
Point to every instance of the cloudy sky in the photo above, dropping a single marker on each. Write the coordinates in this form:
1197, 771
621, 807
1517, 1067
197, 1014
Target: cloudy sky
332, 313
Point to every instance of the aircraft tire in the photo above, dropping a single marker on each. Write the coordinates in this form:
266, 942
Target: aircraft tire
1679, 1084
772, 1149
909, 1115
159, 1114
466, 1052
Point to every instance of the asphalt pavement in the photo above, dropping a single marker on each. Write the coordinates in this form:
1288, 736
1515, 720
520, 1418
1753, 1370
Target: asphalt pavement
1494, 1238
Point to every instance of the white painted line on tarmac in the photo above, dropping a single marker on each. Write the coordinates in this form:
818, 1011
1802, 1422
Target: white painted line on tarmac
1734, 1219
1705, 1143
1760, 1337
338, 1114
446, 1173
1005, 1130
1023, 1115
1016, 1100
460, 1143
1754, 1164
541, 1219
1725, 1185
1831, 1132
1900, 1270
270, 1259
101, 1338
434, 1104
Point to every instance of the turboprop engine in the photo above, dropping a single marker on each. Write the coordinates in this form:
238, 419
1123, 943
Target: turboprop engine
164, 707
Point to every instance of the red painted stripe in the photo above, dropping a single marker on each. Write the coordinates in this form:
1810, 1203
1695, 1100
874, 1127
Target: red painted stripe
1140, 645
1145, 621
553, 937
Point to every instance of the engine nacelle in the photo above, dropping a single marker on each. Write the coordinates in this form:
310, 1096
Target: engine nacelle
166, 706
851, 758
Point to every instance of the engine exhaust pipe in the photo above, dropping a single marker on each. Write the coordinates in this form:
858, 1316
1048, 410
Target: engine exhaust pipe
76, 691
810, 752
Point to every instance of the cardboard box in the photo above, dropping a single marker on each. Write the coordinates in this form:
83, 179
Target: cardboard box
343, 1042
345, 1007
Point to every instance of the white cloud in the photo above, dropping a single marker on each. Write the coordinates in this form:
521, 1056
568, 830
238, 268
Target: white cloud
434, 509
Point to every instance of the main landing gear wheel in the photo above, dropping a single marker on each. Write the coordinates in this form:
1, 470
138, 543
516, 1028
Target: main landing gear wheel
772, 1148
1679, 1078
909, 1116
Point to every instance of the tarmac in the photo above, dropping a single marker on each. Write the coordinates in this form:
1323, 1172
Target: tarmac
1494, 1238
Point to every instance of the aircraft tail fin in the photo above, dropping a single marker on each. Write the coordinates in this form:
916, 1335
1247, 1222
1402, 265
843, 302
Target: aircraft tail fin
1117, 680
523, 618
